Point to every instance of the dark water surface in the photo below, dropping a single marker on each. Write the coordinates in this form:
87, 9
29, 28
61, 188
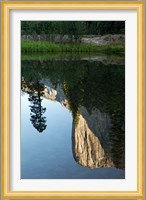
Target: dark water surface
72, 119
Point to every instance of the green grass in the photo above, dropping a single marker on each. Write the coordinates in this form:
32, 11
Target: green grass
45, 46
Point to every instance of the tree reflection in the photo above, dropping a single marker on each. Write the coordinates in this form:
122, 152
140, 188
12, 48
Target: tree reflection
37, 111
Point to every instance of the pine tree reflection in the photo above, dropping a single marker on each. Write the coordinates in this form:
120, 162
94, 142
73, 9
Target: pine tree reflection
37, 111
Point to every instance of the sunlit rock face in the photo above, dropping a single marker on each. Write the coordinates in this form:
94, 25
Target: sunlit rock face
54, 94
91, 147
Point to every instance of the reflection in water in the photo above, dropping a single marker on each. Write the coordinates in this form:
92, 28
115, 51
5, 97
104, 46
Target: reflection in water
37, 112
35, 98
92, 143
95, 95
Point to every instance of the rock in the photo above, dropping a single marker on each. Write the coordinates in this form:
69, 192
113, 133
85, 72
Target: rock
90, 140
93, 145
49, 93
104, 40
54, 94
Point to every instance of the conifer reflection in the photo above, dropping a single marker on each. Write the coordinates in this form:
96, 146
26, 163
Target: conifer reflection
37, 111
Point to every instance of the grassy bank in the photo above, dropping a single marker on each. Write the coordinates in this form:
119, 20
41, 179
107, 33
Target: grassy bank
45, 46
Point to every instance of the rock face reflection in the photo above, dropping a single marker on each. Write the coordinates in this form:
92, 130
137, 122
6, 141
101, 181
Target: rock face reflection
92, 146
91, 140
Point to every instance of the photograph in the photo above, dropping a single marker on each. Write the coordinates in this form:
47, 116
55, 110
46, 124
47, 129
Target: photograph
72, 87
72, 100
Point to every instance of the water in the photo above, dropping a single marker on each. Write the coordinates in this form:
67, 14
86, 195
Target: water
55, 95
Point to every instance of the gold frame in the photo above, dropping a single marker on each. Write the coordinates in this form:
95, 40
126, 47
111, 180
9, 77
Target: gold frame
6, 7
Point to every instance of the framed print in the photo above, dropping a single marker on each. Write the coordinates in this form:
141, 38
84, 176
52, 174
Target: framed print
72, 99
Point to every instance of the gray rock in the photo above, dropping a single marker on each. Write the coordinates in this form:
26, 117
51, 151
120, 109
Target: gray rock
91, 140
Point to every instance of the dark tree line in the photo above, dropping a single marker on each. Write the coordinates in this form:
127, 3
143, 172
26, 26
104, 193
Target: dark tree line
75, 28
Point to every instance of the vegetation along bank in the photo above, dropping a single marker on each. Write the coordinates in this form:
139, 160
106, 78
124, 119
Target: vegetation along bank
73, 36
